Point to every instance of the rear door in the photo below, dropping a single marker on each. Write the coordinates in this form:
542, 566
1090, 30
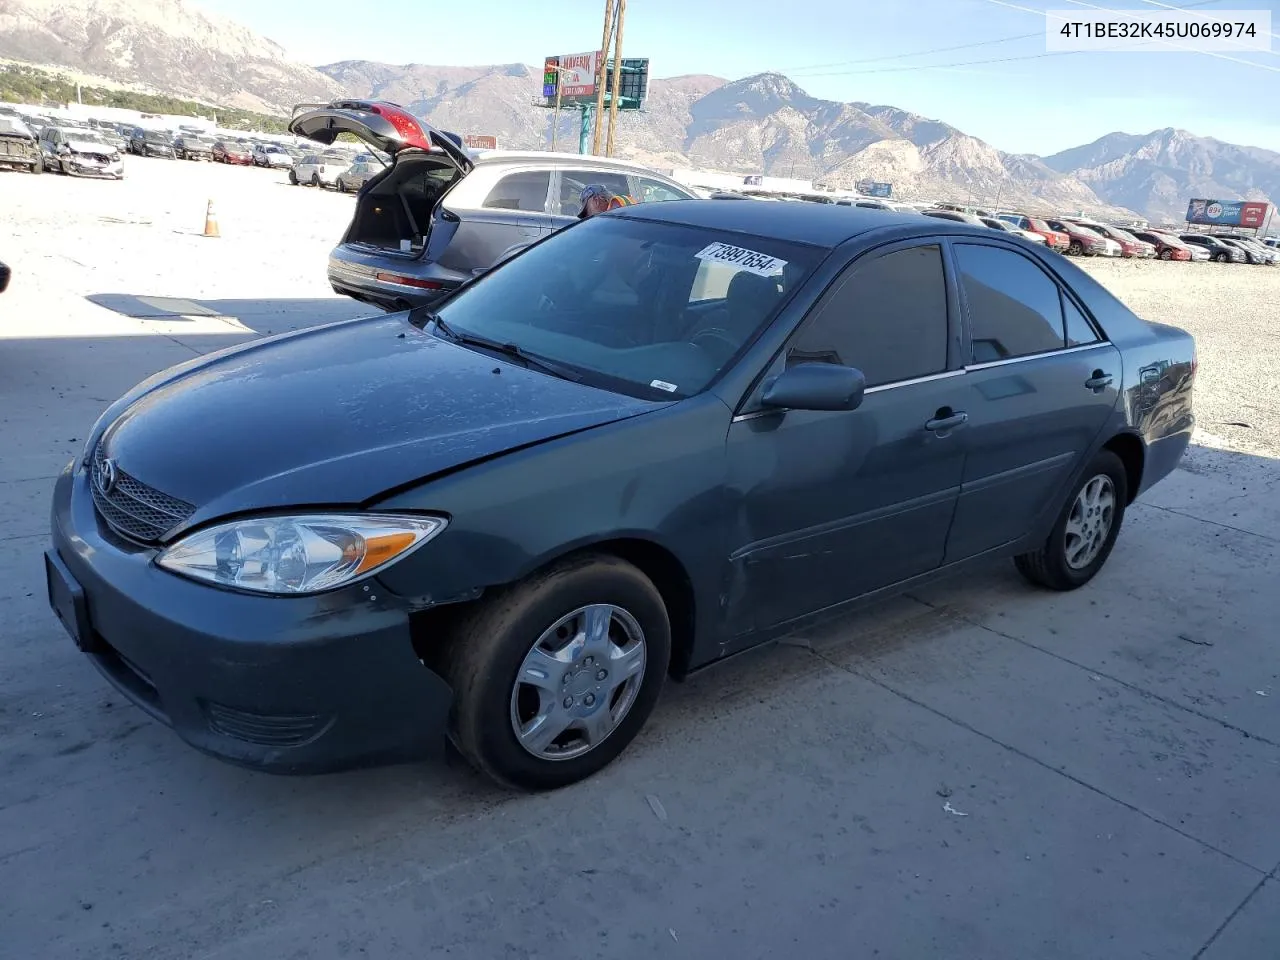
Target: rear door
1040, 384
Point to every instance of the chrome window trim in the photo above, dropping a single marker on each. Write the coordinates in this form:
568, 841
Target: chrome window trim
947, 374
1037, 356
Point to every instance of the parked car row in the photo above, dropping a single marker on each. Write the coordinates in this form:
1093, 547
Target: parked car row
340, 170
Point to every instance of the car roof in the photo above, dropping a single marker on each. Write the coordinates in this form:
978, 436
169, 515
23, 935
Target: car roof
817, 224
581, 161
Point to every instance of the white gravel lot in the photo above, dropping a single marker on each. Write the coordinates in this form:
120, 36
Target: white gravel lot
976, 769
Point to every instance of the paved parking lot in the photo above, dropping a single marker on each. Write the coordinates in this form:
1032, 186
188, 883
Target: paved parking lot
977, 770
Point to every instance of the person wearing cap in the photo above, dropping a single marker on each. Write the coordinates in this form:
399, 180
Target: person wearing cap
595, 199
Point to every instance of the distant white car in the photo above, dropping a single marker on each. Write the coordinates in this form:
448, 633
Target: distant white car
1005, 227
319, 169
269, 155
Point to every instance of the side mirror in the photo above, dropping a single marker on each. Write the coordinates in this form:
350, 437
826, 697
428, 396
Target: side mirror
5, 273
816, 386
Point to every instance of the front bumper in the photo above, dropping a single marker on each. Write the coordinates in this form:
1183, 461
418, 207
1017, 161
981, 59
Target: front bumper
112, 170
287, 685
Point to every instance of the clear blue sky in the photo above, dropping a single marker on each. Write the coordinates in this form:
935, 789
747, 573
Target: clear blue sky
836, 49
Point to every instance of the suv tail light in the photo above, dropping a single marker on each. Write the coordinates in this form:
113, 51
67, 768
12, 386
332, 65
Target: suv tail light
410, 281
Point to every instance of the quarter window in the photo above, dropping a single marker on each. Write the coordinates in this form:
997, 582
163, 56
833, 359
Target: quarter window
1014, 308
886, 316
652, 191
1079, 331
520, 191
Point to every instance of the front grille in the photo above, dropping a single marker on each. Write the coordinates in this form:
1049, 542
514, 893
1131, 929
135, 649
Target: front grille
266, 730
132, 508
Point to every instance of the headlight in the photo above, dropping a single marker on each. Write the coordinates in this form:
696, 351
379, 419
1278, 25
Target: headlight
288, 556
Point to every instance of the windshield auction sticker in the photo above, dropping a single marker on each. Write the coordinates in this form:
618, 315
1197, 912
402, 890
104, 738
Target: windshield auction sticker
760, 264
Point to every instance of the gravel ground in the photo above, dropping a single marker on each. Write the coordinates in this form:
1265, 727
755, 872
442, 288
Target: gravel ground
979, 770
1233, 310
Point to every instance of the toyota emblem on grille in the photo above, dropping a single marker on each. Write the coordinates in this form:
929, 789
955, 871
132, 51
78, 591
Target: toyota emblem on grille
106, 477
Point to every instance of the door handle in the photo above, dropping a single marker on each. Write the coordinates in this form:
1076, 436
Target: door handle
950, 421
1099, 380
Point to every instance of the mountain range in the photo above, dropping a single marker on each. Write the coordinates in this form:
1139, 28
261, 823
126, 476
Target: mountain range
763, 124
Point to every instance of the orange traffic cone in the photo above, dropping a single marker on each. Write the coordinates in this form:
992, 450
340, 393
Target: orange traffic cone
211, 222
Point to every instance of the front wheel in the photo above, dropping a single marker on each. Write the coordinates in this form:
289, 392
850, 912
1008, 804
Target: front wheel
315, 180
293, 177
1076, 248
1086, 530
1166, 254
38, 167
555, 676
1221, 257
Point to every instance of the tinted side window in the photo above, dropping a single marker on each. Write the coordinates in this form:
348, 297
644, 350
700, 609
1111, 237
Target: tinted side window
1079, 332
886, 316
520, 191
1014, 307
572, 182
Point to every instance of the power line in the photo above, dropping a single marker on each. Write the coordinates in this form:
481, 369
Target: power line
915, 53
1169, 6
964, 63
1175, 46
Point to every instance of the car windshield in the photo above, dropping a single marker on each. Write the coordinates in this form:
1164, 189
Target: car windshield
157, 136
649, 309
1038, 225
77, 135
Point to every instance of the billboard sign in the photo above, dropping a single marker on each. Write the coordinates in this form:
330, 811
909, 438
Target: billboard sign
578, 74
1228, 213
479, 141
874, 188
550, 77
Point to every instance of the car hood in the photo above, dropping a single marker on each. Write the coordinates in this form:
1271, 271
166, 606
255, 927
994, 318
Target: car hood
89, 146
336, 415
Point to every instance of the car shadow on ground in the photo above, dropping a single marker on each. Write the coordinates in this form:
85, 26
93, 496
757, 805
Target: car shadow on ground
261, 316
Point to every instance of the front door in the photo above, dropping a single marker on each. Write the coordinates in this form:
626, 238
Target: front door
1039, 387
832, 505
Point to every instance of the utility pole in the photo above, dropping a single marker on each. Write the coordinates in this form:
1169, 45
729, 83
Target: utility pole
605, 40
555, 123
617, 74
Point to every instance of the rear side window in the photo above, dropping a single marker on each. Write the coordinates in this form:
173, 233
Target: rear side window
520, 191
573, 181
886, 316
1014, 307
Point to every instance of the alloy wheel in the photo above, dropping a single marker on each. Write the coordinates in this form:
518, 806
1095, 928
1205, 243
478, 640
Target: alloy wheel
578, 681
1089, 522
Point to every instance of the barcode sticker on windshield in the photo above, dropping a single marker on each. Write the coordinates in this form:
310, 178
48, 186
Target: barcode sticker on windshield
663, 385
760, 264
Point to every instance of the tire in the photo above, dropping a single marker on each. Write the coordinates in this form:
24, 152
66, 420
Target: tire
38, 167
1050, 566
1076, 249
293, 177
340, 186
487, 653
315, 180
1166, 254
1221, 257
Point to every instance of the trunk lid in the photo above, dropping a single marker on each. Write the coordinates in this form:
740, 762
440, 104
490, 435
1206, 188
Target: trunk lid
384, 126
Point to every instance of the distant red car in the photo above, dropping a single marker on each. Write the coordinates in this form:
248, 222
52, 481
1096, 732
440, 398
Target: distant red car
1130, 244
1054, 239
228, 151
1167, 248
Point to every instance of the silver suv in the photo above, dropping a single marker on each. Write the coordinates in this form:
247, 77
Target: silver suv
439, 215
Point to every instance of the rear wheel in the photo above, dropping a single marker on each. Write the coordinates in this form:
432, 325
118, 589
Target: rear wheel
340, 186
1221, 257
293, 177
555, 676
1086, 530
315, 180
